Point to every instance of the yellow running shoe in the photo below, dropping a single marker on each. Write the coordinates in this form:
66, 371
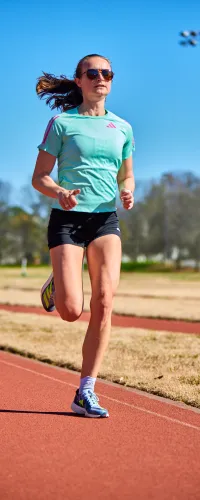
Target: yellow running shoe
47, 294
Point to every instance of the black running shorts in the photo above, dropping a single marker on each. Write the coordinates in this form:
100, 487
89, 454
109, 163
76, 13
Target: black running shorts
80, 228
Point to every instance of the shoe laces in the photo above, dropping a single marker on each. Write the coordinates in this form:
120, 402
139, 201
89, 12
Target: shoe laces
92, 398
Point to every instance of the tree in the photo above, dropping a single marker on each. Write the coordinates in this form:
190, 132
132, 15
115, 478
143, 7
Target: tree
35, 202
27, 234
5, 191
167, 217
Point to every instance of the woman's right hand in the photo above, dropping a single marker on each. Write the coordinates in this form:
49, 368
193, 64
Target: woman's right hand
67, 199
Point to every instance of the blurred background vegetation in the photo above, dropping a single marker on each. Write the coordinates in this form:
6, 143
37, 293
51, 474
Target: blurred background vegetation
161, 232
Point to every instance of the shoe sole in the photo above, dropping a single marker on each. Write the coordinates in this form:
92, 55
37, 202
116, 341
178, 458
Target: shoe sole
42, 291
82, 411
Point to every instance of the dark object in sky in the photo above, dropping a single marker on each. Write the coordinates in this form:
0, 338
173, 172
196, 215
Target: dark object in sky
194, 33
185, 34
193, 42
190, 38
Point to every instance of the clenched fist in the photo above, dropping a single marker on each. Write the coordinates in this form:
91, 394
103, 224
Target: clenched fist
127, 198
67, 199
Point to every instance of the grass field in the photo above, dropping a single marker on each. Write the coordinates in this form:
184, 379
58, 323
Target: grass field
165, 364
171, 295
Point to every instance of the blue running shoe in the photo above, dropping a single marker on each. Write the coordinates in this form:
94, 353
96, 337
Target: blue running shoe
47, 293
88, 405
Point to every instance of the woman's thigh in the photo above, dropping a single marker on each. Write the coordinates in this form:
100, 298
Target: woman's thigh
104, 262
67, 263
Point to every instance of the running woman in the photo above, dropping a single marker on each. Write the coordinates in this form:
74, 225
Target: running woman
93, 148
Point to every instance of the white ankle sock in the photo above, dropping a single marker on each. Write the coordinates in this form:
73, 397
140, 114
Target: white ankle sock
86, 384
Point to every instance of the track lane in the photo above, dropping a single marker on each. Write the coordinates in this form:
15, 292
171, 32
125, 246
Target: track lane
148, 449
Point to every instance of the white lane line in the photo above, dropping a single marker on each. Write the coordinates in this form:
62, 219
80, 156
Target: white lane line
38, 373
139, 408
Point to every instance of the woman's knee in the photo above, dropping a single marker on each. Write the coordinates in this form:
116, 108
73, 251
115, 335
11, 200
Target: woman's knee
102, 302
69, 311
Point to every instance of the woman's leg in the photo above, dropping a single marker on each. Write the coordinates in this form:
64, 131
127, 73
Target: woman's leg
67, 262
104, 260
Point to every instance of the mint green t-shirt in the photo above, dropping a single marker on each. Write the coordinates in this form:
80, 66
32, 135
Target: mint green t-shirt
89, 151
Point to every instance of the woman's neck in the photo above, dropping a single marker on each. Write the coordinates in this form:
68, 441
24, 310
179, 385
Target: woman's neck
92, 108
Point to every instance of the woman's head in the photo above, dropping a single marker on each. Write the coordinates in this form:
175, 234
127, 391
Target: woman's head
92, 82
93, 76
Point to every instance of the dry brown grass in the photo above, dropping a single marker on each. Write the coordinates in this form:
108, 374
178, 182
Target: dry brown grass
174, 285
187, 309
166, 364
151, 295
150, 307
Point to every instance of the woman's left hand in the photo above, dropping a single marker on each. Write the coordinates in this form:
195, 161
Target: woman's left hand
127, 198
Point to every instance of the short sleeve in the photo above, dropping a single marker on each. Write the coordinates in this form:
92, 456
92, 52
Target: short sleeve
129, 145
52, 140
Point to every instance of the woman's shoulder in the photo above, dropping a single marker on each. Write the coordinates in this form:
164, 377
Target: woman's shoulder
62, 119
118, 119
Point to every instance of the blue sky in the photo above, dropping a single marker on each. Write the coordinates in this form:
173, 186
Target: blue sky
156, 85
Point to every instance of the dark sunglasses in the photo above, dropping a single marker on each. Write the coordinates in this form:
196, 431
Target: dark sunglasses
92, 74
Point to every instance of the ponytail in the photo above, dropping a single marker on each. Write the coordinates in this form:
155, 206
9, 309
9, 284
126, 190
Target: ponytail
64, 93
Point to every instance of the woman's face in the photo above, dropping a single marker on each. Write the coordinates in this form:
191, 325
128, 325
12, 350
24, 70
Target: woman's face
98, 89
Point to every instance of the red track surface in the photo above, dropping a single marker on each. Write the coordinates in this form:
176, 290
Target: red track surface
124, 321
148, 449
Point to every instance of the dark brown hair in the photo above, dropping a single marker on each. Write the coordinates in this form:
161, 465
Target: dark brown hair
64, 93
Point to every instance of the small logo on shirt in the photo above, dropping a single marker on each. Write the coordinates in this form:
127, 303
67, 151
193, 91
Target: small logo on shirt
111, 125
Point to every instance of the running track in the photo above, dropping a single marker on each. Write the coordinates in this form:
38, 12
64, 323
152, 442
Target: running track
148, 449
123, 321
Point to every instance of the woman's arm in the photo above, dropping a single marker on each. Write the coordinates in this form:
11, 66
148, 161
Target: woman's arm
126, 183
42, 181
